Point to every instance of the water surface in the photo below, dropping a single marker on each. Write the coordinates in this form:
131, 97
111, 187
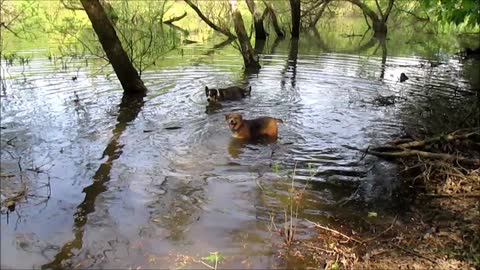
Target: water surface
158, 181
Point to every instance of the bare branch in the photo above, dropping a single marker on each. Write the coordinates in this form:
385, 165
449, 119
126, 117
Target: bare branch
389, 10
69, 6
379, 9
174, 19
208, 21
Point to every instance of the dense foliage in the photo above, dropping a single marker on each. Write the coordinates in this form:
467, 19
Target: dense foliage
454, 11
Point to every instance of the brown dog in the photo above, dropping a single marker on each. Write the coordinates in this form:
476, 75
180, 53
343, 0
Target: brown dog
230, 93
262, 127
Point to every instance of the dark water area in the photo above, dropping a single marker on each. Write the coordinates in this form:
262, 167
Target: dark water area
155, 181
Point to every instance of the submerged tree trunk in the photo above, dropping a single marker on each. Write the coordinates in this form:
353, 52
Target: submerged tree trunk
123, 67
260, 32
250, 58
295, 11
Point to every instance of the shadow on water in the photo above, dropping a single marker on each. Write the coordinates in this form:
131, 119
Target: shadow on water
129, 108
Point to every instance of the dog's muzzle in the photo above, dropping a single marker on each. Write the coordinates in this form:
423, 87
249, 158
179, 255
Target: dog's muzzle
231, 124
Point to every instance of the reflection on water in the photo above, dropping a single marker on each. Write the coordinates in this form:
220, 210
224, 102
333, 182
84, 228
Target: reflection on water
171, 181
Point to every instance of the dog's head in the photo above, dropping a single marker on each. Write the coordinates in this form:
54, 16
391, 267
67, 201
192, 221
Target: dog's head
212, 95
234, 121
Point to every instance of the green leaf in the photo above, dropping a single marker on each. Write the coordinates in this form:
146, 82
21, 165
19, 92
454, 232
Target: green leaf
213, 257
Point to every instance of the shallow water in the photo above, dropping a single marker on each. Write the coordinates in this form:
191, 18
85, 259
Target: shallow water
148, 183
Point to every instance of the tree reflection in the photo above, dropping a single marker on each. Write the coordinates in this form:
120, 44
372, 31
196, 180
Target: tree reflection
130, 106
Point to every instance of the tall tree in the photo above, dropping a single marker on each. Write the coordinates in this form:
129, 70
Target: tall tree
123, 67
296, 14
250, 58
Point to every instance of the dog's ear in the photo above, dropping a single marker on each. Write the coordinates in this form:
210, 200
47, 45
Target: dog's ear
226, 116
206, 91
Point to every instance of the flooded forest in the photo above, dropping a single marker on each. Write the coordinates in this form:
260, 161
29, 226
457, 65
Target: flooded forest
232, 134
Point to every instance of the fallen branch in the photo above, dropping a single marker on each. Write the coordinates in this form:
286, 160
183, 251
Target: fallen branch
424, 154
446, 138
381, 152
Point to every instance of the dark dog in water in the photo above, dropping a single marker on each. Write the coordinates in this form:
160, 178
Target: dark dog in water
230, 93
262, 127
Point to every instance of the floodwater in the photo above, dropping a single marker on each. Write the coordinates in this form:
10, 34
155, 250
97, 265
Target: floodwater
158, 182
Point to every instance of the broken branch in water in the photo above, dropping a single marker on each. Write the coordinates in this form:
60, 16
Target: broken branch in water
424, 154
402, 148
446, 138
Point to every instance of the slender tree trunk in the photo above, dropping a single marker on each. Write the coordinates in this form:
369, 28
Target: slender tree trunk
250, 58
273, 16
260, 32
295, 11
207, 21
320, 13
123, 67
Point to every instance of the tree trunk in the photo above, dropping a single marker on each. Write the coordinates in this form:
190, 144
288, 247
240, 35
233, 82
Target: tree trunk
250, 59
260, 32
379, 28
123, 67
295, 11
207, 21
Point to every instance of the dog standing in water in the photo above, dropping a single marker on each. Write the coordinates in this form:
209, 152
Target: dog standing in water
215, 95
262, 127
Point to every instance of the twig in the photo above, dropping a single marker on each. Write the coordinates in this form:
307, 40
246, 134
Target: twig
334, 231
321, 249
413, 252
206, 264
378, 235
